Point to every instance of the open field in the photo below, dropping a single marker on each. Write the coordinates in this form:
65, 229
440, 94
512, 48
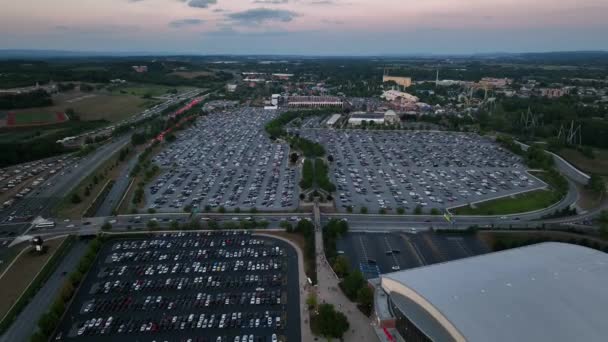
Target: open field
94, 106
192, 74
599, 165
22, 272
151, 90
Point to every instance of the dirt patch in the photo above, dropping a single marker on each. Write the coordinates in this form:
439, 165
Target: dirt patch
597, 165
22, 272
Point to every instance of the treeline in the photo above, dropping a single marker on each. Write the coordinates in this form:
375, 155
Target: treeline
26, 73
41, 142
307, 230
551, 115
536, 158
36, 98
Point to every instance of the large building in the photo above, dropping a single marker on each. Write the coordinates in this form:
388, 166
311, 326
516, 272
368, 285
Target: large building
402, 81
545, 292
314, 101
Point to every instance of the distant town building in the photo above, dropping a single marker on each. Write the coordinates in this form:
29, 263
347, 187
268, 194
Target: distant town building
402, 81
231, 88
390, 117
553, 92
333, 120
490, 82
140, 68
392, 95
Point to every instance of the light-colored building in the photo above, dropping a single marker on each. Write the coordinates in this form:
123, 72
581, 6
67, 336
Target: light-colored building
392, 95
333, 120
390, 117
402, 81
553, 92
544, 292
356, 119
231, 88
314, 101
491, 82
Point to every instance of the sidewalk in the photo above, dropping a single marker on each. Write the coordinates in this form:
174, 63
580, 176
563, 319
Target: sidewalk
361, 328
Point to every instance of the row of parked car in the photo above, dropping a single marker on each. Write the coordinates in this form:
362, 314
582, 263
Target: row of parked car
225, 160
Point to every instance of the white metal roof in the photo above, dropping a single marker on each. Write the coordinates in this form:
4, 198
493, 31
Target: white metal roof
544, 292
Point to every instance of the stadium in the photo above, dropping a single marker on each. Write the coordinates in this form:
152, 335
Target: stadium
544, 292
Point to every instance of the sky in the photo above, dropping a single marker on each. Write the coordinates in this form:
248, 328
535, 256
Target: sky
305, 27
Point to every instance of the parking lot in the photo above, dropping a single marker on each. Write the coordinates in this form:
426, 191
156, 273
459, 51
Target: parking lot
379, 253
216, 286
226, 160
396, 169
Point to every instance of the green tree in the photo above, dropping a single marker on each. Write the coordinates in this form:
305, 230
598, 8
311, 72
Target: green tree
75, 199
365, 297
363, 210
106, 226
435, 211
418, 210
400, 211
286, 225
174, 225
221, 209
352, 283
311, 301
152, 224
596, 184
213, 225
341, 266
332, 323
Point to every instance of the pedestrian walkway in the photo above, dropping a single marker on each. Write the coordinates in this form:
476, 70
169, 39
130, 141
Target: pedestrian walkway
361, 328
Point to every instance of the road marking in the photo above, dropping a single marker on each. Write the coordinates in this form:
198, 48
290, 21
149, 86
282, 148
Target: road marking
392, 254
414, 249
364, 250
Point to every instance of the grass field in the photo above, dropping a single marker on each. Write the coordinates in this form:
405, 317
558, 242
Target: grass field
94, 106
152, 90
22, 272
35, 117
598, 165
528, 201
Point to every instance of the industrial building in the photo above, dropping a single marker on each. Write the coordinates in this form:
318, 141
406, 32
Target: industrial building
544, 292
402, 81
333, 120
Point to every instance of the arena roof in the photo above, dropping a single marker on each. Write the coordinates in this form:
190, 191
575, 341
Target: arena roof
544, 292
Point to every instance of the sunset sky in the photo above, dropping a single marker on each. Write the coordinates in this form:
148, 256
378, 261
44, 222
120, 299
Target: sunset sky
326, 27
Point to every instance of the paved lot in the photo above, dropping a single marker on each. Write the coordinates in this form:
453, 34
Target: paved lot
397, 169
379, 253
189, 287
226, 160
